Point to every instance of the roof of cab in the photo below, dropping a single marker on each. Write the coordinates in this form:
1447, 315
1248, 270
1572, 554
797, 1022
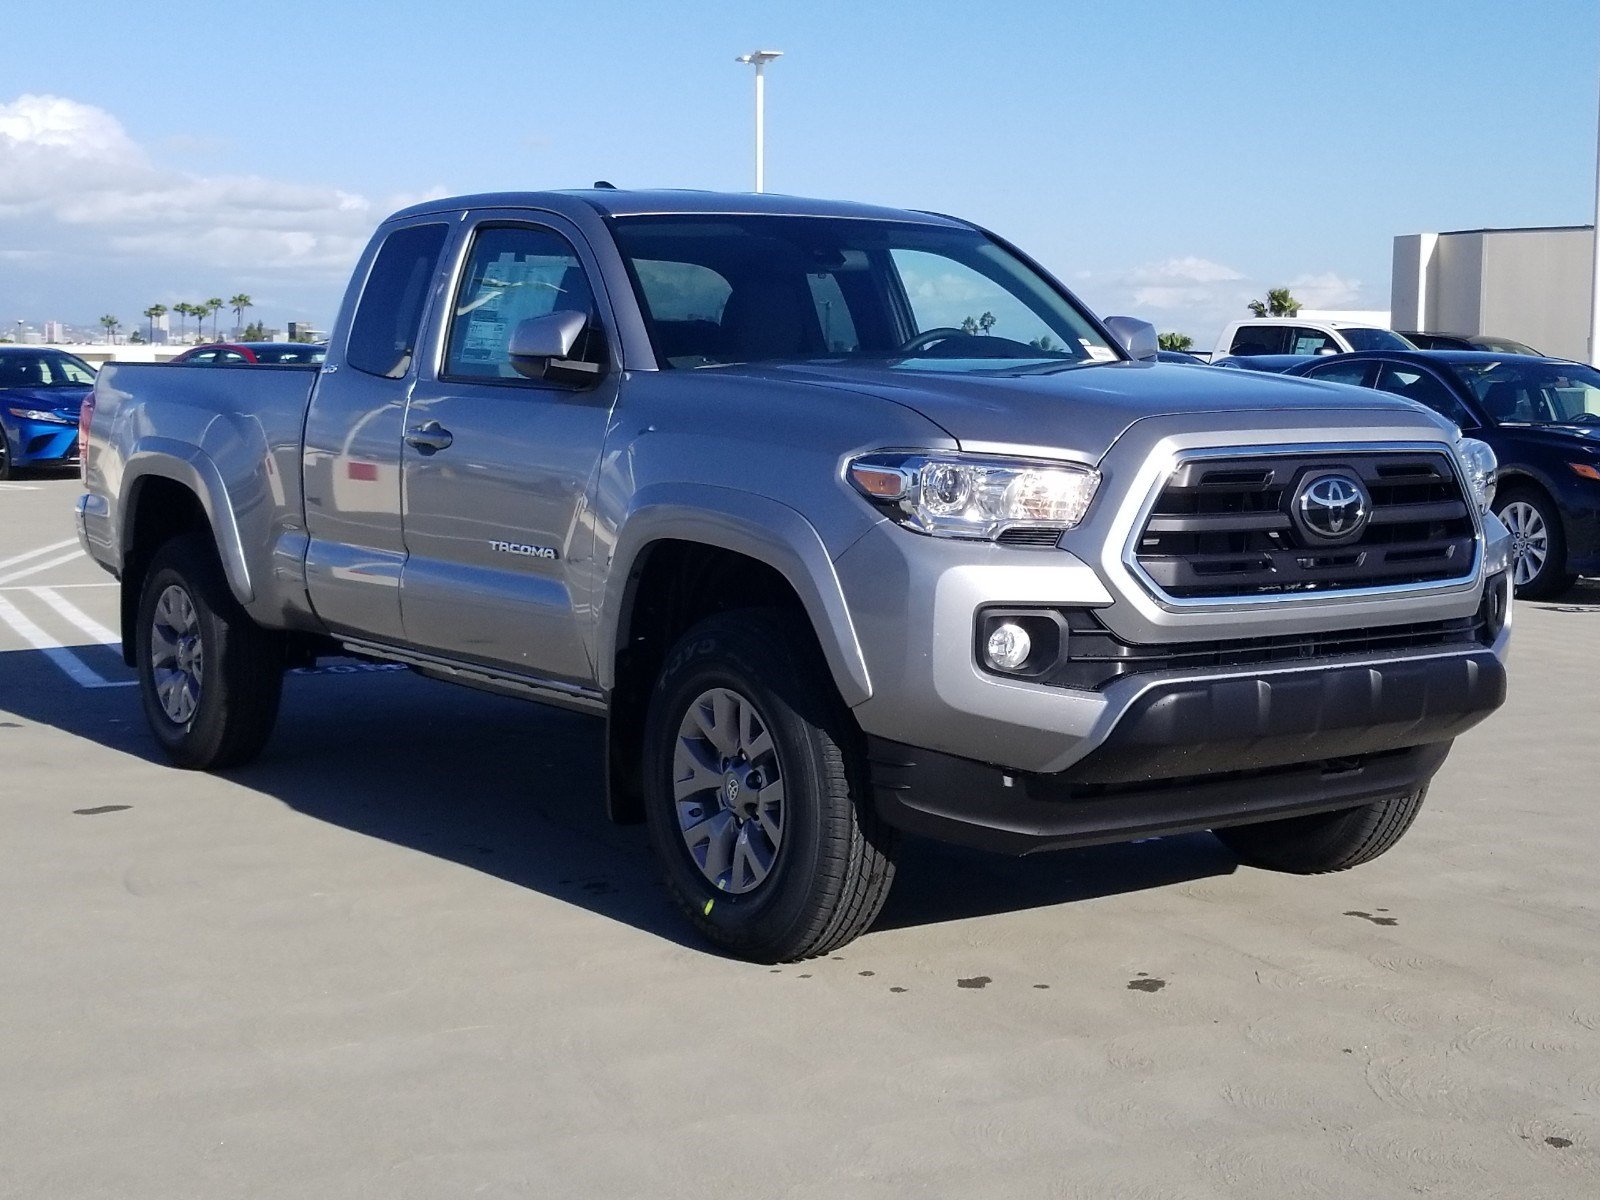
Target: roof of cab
625, 202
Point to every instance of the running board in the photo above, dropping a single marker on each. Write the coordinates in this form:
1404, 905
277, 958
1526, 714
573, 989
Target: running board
522, 687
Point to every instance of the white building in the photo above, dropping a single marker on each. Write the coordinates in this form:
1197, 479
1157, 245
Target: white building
54, 331
1532, 285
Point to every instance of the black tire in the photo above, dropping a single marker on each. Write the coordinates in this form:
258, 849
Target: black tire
1322, 842
241, 679
831, 872
6, 469
1552, 577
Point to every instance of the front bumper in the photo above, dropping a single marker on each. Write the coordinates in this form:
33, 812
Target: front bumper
40, 444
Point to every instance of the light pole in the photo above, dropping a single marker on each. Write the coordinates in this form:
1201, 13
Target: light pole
759, 60
1594, 280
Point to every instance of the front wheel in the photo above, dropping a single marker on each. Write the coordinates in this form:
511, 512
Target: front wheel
755, 794
210, 677
1321, 842
1538, 544
5, 455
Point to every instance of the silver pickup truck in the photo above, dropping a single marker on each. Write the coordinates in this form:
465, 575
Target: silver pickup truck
848, 520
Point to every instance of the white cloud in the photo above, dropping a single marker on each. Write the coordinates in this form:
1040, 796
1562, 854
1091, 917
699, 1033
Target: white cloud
73, 180
1328, 290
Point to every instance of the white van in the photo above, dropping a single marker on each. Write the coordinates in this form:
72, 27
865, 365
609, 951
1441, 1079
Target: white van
1291, 335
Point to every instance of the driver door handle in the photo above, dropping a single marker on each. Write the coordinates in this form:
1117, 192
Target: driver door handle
429, 437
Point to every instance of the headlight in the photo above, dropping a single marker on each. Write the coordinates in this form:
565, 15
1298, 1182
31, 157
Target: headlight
1480, 465
967, 496
36, 414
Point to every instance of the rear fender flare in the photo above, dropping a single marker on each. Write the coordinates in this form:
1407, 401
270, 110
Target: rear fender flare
190, 466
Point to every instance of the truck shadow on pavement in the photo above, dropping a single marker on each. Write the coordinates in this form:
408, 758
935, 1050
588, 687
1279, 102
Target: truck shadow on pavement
514, 790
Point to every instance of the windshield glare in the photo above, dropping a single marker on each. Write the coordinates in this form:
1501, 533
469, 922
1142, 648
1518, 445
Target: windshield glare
1375, 339
1535, 393
742, 289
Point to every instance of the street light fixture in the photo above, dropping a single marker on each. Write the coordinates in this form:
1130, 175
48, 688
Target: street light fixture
759, 60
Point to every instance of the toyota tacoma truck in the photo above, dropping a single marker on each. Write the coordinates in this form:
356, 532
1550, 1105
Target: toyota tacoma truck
849, 521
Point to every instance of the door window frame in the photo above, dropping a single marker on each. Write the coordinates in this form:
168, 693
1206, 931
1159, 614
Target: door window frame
1389, 364
458, 252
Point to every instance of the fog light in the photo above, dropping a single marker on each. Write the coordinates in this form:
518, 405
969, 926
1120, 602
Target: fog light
1008, 647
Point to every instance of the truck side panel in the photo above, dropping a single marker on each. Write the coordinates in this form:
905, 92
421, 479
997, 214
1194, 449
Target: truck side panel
230, 435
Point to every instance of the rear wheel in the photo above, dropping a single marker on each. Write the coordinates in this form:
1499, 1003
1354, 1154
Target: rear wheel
1538, 543
1323, 842
755, 795
210, 677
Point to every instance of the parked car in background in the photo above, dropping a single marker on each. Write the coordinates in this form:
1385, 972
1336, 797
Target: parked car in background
262, 353
1276, 364
1466, 341
41, 391
1290, 335
1182, 358
1541, 416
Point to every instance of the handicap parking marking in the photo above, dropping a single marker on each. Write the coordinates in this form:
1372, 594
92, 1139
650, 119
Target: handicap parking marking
69, 663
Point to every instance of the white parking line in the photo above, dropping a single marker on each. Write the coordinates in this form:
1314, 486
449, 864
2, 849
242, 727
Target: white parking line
25, 587
71, 665
35, 568
18, 487
16, 558
78, 617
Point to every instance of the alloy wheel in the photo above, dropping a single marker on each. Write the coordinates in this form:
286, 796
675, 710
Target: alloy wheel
1530, 540
177, 655
727, 783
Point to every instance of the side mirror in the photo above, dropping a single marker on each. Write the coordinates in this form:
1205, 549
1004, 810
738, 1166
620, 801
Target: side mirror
541, 342
1137, 337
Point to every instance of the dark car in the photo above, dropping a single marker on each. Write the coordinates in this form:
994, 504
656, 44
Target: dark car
1541, 416
1277, 364
1179, 357
264, 353
41, 393
1466, 341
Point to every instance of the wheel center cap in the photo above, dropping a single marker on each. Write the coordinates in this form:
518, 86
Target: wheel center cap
732, 788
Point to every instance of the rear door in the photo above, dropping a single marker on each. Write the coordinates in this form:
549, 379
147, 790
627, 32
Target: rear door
498, 469
353, 432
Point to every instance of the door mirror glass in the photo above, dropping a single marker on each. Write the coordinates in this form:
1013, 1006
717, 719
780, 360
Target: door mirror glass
1137, 337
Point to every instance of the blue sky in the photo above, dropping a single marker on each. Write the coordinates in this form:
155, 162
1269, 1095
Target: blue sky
1165, 158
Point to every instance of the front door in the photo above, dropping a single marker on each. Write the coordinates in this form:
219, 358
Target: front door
498, 469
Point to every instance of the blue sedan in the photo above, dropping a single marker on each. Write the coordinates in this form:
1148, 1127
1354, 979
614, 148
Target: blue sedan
41, 391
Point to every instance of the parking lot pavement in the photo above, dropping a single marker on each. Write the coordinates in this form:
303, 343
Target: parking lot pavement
405, 956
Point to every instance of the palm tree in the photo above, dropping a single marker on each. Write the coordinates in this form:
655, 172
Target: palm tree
239, 303
111, 324
1175, 341
180, 310
151, 313
1279, 303
214, 306
198, 312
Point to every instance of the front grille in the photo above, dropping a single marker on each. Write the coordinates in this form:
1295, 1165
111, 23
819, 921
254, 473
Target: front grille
1224, 526
1096, 656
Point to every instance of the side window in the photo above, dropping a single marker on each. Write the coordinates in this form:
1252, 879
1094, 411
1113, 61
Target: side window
833, 313
1258, 339
383, 334
1342, 372
1416, 384
1311, 341
229, 356
204, 357
514, 273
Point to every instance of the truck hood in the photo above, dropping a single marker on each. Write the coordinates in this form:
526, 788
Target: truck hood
1082, 408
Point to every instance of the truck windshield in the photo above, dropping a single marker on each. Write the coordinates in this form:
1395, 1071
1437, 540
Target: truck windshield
1374, 339
742, 289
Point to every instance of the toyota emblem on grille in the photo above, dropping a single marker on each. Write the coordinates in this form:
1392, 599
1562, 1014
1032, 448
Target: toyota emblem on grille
1332, 507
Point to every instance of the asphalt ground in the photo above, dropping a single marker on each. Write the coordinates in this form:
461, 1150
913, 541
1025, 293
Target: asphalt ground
404, 955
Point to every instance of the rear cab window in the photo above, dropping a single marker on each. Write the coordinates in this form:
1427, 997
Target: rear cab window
388, 318
1258, 339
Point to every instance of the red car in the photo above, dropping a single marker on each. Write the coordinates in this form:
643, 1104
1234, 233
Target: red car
222, 353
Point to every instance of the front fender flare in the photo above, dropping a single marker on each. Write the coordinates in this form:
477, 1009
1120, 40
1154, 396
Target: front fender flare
744, 523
